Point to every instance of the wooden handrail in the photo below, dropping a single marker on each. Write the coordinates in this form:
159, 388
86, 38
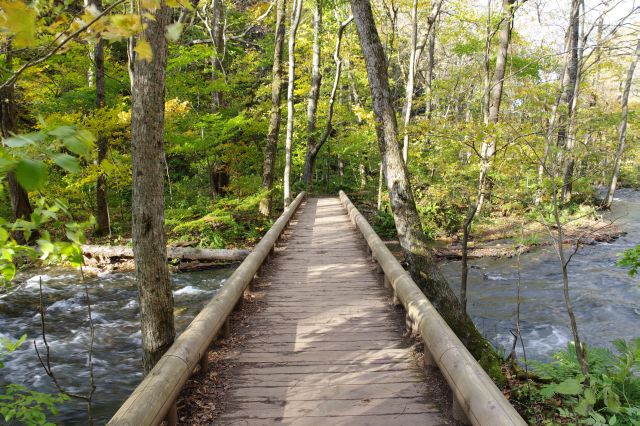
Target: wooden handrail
155, 397
475, 393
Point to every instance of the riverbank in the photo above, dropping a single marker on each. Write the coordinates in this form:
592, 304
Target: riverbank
503, 236
512, 237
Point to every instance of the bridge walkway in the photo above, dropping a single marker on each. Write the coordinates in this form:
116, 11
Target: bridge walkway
328, 348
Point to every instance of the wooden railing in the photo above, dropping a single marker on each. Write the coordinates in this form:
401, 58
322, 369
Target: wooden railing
475, 395
154, 399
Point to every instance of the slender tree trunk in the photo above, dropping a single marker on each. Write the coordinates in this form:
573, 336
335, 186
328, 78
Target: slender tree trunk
565, 126
622, 132
553, 122
466, 230
20, 205
422, 264
314, 145
314, 94
102, 206
380, 180
295, 20
431, 59
494, 97
493, 94
149, 246
268, 169
410, 82
218, 25
572, 130
581, 353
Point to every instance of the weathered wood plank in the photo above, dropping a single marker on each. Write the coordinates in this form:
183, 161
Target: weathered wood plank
327, 348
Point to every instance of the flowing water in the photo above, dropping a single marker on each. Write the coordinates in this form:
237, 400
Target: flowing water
605, 298
117, 354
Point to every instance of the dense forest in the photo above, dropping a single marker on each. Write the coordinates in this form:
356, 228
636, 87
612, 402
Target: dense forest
158, 123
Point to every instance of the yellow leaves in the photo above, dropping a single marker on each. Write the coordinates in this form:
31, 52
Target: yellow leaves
362, 114
124, 117
20, 20
122, 26
143, 49
173, 31
150, 4
175, 108
176, 3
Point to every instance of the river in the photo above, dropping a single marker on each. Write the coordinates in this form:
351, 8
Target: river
606, 300
117, 354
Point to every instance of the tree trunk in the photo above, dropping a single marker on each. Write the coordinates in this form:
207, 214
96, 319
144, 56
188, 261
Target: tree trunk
494, 98
217, 30
182, 253
422, 264
431, 51
410, 81
493, 94
102, 206
622, 132
313, 144
268, 169
566, 136
149, 246
314, 94
380, 179
20, 205
295, 20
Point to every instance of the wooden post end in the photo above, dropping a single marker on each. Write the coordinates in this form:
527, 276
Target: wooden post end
226, 329
204, 362
427, 359
239, 303
396, 300
172, 415
457, 412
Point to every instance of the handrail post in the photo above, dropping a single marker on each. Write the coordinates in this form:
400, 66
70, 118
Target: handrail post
476, 398
154, 399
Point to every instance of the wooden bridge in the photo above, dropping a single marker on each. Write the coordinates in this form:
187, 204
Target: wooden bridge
328, 348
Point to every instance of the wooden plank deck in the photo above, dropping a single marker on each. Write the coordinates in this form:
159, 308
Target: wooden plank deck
328, 348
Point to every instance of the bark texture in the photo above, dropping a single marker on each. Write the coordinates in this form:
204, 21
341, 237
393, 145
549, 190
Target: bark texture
20, 205
102, 206
411, 74
314, 144
149, 244
314, 94
488, 150
622, 131
295, 20
422, 264
268, 168
570, 82
494, 98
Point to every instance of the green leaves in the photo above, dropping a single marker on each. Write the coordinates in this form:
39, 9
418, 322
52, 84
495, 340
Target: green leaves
631, 259
19, 141
27, 155
67, 162
31, 174
567, 387
612, 395
79, 142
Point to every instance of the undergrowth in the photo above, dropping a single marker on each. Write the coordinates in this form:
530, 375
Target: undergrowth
561, 395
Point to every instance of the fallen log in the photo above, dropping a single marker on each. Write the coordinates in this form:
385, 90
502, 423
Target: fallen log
179, 253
